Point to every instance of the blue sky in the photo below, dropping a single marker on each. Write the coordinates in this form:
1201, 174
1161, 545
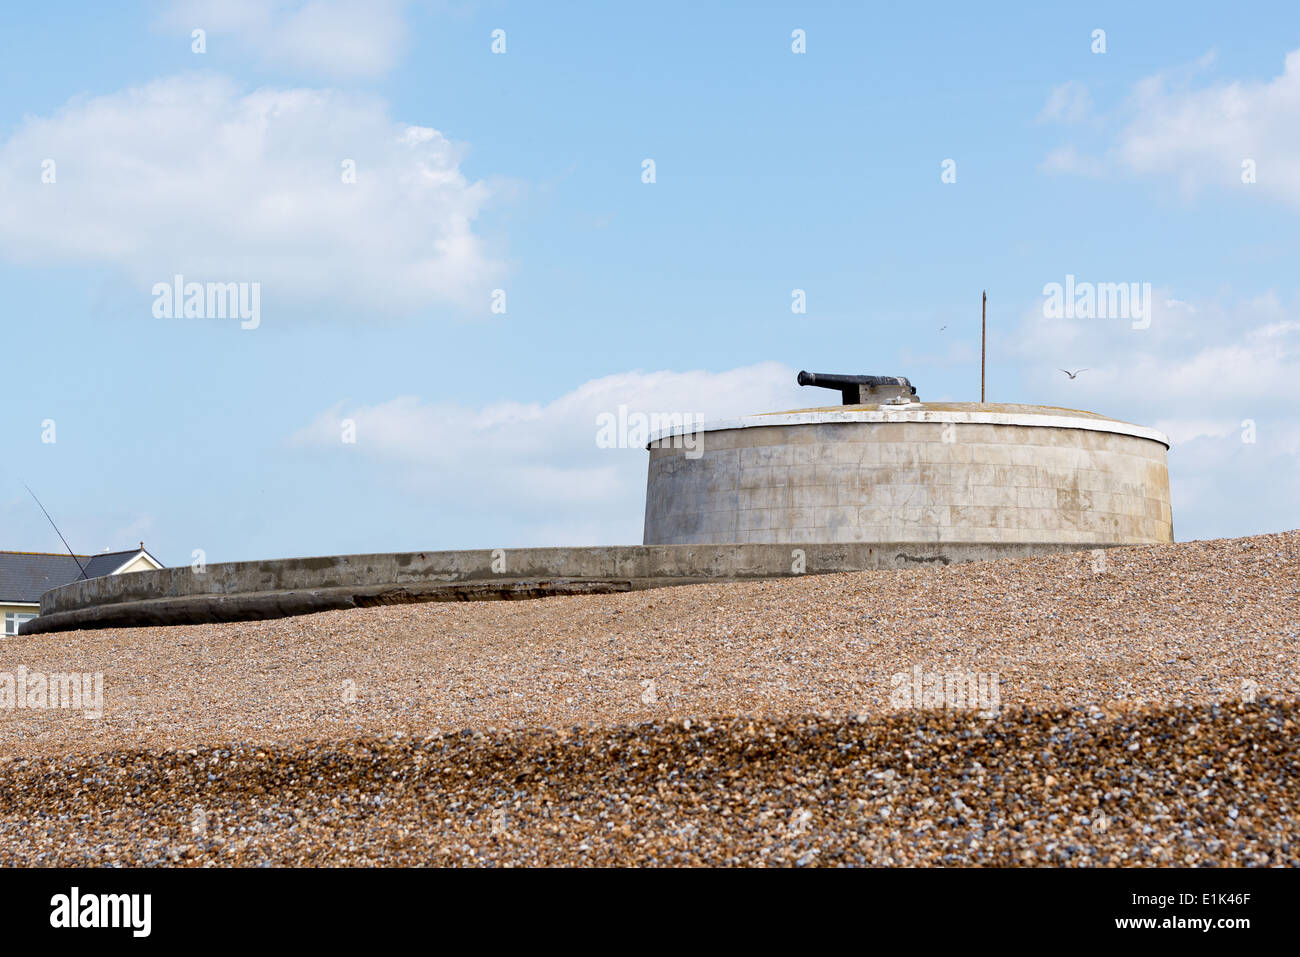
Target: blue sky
522, 172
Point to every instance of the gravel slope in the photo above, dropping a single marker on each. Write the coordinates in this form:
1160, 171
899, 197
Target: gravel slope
1185, 786
1165, 646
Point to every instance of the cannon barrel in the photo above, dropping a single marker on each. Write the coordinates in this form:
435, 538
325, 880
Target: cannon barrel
827, 380
857, 388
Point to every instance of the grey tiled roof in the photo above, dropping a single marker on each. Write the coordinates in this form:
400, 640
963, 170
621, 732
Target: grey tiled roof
105, 563
25, 576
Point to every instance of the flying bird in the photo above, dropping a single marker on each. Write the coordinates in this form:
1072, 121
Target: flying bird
1073, 374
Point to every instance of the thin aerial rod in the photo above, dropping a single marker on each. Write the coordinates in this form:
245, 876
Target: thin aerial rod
60, 534
984, 311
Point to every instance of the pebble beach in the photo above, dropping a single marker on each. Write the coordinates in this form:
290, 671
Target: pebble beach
1136, 706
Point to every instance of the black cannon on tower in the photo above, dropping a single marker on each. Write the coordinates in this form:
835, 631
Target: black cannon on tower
862, 389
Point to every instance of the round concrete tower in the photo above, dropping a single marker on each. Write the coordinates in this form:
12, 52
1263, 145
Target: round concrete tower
887, 467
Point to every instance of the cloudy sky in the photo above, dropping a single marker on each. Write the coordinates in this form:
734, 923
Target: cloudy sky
461, 264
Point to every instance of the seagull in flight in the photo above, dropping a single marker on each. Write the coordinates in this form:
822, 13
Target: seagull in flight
1073, 374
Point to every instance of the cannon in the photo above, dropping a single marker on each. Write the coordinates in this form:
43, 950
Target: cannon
862, 389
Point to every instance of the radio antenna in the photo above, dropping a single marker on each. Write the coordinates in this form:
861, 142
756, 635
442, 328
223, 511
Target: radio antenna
60, 534
984, 312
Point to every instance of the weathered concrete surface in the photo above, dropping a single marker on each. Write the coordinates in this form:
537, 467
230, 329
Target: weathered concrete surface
951, 472
253, 606
241, 591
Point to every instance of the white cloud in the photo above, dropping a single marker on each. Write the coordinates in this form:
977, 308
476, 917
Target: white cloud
1203, 136
1193, 357
534, 470
1069, 102
339, 37
191, 175
1197, 374
1225, 487
1181, 431
1200, 136
1067, 159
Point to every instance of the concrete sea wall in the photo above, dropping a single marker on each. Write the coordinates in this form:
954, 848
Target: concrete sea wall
241, 591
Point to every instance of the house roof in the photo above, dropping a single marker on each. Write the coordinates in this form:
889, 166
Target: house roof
25, 576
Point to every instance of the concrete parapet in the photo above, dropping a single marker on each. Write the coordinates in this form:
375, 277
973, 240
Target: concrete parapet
240, 591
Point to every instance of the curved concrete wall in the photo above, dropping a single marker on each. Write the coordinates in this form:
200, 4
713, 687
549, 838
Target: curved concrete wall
1029, 475
245, 591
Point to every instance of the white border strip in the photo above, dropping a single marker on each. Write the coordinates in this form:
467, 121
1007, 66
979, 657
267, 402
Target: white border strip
922, 415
